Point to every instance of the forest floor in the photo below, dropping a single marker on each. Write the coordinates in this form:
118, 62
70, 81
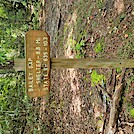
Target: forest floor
77, 103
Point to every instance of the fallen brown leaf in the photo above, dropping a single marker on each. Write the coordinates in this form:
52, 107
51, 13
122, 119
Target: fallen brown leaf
126, 35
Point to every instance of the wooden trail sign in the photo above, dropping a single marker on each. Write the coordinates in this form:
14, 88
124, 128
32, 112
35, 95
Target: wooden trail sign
38, 63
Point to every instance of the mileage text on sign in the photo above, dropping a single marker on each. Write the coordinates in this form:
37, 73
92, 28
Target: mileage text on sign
37, 63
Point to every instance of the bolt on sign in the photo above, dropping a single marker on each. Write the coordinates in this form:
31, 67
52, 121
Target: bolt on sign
37, 63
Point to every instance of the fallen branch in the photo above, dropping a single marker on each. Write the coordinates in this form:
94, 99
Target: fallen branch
112, 126
127, 123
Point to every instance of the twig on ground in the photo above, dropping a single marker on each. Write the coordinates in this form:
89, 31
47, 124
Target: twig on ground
112, 126
127, 123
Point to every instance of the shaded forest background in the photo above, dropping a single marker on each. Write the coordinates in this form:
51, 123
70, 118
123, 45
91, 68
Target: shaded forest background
76, 103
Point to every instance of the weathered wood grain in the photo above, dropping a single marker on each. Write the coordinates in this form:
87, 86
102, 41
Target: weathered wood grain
63, 63
91, 63
19, 64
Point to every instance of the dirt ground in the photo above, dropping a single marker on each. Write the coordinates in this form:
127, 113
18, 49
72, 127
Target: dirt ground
74, 105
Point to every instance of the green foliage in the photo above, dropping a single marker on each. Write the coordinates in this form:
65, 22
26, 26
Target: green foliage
79, 49
72, 43
2, 57
100, 4
13, 101
2, 13
6, 54
98, 47
17, 17
97, 78
79, 46
13, 26
131, 112
122, 17
15, 107
118, 70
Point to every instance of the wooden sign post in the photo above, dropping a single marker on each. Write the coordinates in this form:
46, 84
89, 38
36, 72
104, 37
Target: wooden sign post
38, 63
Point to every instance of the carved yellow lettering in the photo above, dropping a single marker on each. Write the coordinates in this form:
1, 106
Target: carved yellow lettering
45, 75
45, 78
37, 68
30, 83
38, 72
37, 61
30, 74
38, 65
45, 56
38, 41
45, 83
30, 86
45, 39
30, 89
46, 48
38, 48
45, 43
30, 63
38, 76
45, 88
38, 82
30, 77
37, 52
45, 69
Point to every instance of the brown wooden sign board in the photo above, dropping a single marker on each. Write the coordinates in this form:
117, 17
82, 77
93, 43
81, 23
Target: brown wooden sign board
37, 63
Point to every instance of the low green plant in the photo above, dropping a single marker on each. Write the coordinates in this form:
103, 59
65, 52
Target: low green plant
98, 47
97, 78
94, 24
129, 109
72, 43
78, 56
79, 49
131, 112
13, 101
2, 57
100, 4
79, 46
85, 78
122, 17
118, 70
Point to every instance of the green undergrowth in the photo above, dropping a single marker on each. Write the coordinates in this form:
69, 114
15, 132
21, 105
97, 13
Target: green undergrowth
79, 48
131, 112
16, 108
97, 78
98, 47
